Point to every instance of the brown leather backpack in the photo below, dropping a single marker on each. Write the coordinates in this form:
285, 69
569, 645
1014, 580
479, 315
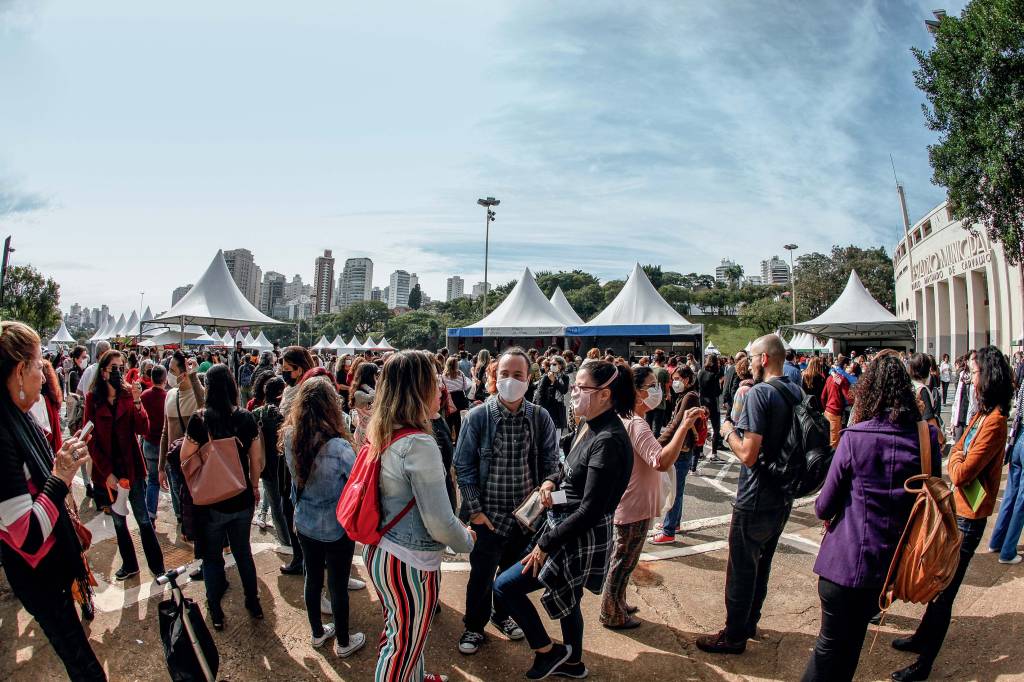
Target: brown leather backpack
928, 552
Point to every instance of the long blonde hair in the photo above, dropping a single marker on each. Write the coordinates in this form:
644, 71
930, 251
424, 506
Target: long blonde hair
406, 397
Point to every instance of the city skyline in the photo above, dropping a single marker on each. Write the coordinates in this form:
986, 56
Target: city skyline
611, 133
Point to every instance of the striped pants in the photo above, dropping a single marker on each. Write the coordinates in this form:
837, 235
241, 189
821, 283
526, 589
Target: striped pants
409, 597
629, 542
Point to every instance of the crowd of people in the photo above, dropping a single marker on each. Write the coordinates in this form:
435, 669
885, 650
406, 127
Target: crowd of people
549, 470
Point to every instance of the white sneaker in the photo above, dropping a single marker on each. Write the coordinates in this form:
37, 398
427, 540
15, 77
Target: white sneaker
356, 640
318, 642
260, 519
1015, 560
355, 584
284, 549
986, 550
325, 605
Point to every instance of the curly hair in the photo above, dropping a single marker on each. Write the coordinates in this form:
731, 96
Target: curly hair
885, 388
314, 419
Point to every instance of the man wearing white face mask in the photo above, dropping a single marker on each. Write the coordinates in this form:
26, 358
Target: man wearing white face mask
506, 448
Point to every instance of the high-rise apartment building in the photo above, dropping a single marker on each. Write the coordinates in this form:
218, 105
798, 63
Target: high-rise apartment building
398, 291
356, 281
775, 271
455, 287
377, 294
323, 283
272, 291
478, 289
245, 272
722, 271
176, 296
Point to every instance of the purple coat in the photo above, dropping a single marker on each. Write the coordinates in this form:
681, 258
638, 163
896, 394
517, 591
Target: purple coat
864, 501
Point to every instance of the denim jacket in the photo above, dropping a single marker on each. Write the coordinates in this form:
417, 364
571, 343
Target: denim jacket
412, 467
475, 446
315, 515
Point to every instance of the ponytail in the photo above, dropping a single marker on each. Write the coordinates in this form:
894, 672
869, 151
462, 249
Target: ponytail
623, 391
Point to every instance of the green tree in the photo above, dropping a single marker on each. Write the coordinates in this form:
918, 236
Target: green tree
678, 297
587, 301
765, 314
611, 289
31, 298
364, 317
821, 278
974, 81
416, 297
418, 329
576, 279
654, 274
734, 275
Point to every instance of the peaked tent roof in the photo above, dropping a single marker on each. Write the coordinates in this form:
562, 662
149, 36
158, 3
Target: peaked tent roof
169, 336
371, 344
337, 343
638, 310
203, 340
118, 330
147, 315
101, 332
263, 343
320, 345
249, 340
131, 327
385, 344
215, 300
526, 311
62, 335
562, 305
855, 314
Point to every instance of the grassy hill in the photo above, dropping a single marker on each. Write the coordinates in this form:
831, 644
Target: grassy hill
725, 332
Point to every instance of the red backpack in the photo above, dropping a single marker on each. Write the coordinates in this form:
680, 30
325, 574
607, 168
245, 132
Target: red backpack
359, 510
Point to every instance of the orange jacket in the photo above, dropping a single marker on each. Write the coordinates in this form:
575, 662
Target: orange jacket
982, 461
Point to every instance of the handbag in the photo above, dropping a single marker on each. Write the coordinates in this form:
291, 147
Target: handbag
213, 473
530, 512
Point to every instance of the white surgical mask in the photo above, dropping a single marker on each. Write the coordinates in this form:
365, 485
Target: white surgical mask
172, 380
653, 398
511, 390
677, 386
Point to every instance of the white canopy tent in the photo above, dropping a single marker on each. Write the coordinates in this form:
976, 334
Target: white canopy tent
204, 340
131, 327
173, 335
118, 330
321, 344
101, 333
249, 341
262, 343
337, 343
385, 344
750, 344
215, 300
857, 315
526, 311
62, 336
562, 305
371, 344
711, 349
638, 310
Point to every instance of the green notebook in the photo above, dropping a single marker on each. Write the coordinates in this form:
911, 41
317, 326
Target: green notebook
975, 493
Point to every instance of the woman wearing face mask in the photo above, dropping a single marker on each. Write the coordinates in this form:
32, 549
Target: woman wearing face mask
686, 398
41, 552
363, 390
119, 417
295, 362
554, 384
572, 550
639, 503
186, 396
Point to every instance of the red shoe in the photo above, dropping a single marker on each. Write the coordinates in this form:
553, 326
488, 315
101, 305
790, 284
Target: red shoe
434, 677
662, 539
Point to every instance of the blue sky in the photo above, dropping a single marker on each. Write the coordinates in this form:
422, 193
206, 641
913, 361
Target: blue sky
137, 138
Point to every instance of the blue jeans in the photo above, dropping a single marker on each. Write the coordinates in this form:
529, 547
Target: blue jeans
671, 521
1007, 531
174, 481
152, 454
215, 526
150, 544
512, 588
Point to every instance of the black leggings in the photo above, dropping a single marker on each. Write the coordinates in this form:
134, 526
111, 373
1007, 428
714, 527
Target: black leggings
54, 610
337, 557
845, 613
454, 422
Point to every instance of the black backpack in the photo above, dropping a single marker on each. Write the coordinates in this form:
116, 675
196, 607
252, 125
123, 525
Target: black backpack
803, 462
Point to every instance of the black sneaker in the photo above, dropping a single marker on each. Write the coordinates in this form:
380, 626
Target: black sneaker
545, 664
124, 573
216, 616
906, 644
470, 642
918, 670
253, 606
718, 644
509, 628
576, 671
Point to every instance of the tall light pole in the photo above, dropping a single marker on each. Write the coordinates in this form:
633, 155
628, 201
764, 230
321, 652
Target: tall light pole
487, 204
3, 272
792, 278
